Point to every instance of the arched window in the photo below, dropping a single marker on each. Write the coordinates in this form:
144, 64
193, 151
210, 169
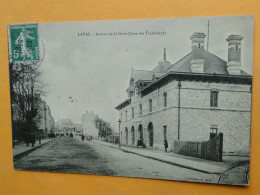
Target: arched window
133, 113
165, 99
150, 105
126, 115
141, 109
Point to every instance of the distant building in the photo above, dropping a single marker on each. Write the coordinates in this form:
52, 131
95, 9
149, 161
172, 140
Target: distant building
67, 126
199, 94
77, 128
64, 125
88, 124
46, 121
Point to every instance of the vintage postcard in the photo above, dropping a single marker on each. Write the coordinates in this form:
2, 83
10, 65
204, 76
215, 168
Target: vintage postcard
153, 98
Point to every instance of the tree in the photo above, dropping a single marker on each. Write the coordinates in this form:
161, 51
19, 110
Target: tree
104, 128
26, 90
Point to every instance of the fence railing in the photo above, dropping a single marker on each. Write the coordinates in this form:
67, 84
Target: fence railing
210, 150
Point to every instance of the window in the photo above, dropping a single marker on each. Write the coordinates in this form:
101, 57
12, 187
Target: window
126, 115
121, 117
165, 99
150, 105
133, 113
214, 98
141, 110
165, 132
214, 129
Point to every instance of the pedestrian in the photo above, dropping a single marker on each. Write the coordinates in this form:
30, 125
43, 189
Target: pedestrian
82, 137
165, 145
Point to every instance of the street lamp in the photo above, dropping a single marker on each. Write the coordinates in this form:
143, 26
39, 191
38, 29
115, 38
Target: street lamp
119, 123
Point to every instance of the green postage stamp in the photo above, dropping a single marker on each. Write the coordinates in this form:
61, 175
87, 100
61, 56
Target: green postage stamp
23, 42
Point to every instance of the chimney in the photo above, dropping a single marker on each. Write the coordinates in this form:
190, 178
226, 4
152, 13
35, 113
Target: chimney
234, 54
197, 45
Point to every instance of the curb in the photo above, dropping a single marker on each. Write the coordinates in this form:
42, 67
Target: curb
22, 154
234, 166
165, 161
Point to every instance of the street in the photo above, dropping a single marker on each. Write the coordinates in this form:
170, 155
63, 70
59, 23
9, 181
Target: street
71, 155
237, 175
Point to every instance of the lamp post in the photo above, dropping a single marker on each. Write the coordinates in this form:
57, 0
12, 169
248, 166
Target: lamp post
45, 120
119, 123
179, 109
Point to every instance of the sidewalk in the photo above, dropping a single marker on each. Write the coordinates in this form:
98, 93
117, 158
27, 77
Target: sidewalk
22, 148
188, 162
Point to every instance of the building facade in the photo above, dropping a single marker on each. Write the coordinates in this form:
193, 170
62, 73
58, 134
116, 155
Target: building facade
46, 121
67, 126
64, 125
88, 124
199, 94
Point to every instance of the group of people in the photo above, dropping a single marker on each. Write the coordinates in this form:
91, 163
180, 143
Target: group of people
142, 144
88, 137
51, 135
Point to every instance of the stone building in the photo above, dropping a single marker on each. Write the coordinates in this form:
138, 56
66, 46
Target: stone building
88, 124
199, 94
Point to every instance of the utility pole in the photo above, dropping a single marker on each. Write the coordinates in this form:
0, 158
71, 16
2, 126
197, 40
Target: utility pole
208, 38
119, 123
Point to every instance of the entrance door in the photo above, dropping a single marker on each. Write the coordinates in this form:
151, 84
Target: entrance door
150, 130
126, 136
133, 135
140, 130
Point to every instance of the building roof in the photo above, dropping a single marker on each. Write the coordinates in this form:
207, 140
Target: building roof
215, 69
142, 75
123, 104
181, 76
157, 75
162, 66
212, 64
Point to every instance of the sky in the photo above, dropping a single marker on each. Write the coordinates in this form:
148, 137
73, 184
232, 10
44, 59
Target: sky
91, 73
